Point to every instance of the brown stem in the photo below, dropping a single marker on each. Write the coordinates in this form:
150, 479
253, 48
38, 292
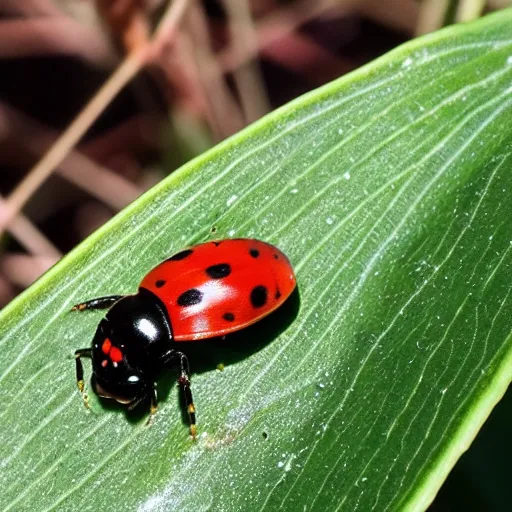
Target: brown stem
79, 126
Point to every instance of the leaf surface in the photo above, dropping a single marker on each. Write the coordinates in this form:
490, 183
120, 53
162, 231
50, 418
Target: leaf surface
389, 190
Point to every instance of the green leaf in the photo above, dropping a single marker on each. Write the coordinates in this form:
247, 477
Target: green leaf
390, 192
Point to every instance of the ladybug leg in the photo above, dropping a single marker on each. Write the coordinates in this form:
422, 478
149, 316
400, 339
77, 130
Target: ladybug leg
169, 359
149, 392
153, 407
184, 383
98, 303
83, 352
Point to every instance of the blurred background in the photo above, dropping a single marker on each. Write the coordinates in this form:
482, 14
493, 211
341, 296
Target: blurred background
203, 70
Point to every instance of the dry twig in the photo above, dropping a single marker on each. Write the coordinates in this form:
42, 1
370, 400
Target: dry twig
97, 180
248, 77
124, 73
222, 112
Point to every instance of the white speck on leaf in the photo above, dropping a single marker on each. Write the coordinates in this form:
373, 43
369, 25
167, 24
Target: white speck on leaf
231, 200
288, 465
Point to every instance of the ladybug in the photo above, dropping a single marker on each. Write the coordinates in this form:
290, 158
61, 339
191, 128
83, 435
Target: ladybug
206, 291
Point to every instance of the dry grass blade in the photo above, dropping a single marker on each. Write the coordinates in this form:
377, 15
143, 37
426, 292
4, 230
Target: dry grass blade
124, 73
248, 77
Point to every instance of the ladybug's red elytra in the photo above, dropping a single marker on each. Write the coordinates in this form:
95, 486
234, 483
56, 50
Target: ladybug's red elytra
208, 290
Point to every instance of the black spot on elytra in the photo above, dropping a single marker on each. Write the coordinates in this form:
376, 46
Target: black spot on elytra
278, 294
228, 316
190, 297
216, 243
219, 271
276, 256
254, 253
160, 283
181, 255
258, 296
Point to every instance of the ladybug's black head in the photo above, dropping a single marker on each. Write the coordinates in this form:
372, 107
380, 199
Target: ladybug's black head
114, 374
129, 345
